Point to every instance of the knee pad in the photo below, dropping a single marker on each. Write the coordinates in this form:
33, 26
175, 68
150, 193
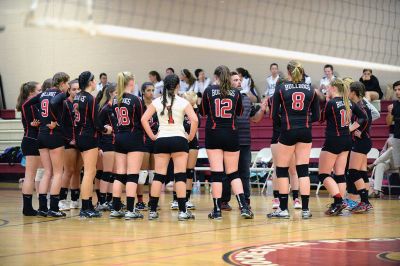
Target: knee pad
302, 170
142, 177
339, 179
121, 178
216, 176
180, 177
322, 177
134, 178
282, 172
99, 174
106, 176
189, 173
151, 176
159, 177
354, 175
364, 176
232, 176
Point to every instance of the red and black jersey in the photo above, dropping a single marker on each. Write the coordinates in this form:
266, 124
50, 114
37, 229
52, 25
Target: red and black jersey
187, 123
221, 112
30, 112
47, 112
335, 116
86, 115
153, 121
68, 120
296, 105
276, 124
129, 112
107, 117
364, 125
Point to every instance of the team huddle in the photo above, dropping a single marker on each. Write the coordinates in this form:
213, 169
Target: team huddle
121, 140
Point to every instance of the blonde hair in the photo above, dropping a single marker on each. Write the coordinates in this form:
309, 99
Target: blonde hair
191, 96
296, 71
123, 79
343, 90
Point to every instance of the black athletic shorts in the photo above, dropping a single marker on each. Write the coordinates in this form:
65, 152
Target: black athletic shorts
127, 141
293, 136
363, 145
275, 136
225, 139
85, 143
106, 144
337, 144
67, 144
50, 141
194, 144
171, 145
29, 147
149, 145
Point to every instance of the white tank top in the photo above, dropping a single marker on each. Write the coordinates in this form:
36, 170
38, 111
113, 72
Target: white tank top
166, 127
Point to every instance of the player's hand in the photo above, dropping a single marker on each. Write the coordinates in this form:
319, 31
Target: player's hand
72, 142
109, 129
153, 137
390, 108
101, 153
52, 125
357, 133
35, 123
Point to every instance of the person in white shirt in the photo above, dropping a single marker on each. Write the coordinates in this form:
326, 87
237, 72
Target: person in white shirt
271, 80
247, 85
187, 81
103, 82
202, 82
155, 78
170, 142
325, 81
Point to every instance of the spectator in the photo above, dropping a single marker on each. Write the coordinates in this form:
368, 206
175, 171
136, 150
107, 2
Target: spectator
271, 80
169, 71
247, 85
394, 116
187, 81
155, 78
325, 81
103, 82
201, 83
372, 89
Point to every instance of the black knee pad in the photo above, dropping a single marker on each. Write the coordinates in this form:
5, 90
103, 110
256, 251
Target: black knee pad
233, 176
282, 172
302, 170
121, 178
159, 177
106, 176
216, 176
134, 178
354, 175
339, 179
180, 177
322, 177
364, 176
189, 173
99, 174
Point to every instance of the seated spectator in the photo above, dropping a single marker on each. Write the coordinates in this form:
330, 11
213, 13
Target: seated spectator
372, 89
248, 85
394, 116
201, 83
187, 81
325, 81
271, 80
103, 82
169, 71
155, 78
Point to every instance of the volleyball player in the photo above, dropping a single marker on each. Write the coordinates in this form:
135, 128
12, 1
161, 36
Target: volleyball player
129, 146
222, 104
337, 114
170, 142
29, 146
293, 102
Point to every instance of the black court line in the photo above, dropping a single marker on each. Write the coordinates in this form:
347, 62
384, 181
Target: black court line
38, 222
3, 222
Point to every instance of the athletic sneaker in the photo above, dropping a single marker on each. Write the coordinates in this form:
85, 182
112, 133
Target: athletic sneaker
174, 205
375, 195
335, 209
297, 204
184, 216
215, 215
275, 203
92, 213
123, 206
278, 213
74, 204
117, 214
350, 204
64, 205
225, 206
102, 207
52, 213
369, 207
42, 213
141, 206
30, 212
133, 215
246, 213
153, 215
190, 205
360, 208
306, 214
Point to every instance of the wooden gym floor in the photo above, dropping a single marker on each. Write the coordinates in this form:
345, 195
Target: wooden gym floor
364, 239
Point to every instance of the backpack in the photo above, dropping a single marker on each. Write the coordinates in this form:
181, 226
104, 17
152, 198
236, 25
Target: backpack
11, 155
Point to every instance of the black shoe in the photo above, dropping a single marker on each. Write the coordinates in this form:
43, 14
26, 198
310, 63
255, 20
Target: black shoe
141, 206
215, 215
89, 213
246, 213
42, 213
225, 206
57, 214
335, 209
29, 212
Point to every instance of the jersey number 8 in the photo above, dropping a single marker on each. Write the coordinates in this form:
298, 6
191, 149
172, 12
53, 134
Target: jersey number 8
298, 101
123, 117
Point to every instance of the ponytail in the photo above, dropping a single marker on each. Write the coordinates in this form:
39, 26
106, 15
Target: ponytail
224, 76
170, 84
343, 90
296, 71
24, 92
122, 81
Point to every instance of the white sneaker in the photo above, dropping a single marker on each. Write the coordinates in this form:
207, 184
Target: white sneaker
278, 213
133, 215
74, 204
297, 204
190, 205
184, 216
64, 205
275, 203
174, 205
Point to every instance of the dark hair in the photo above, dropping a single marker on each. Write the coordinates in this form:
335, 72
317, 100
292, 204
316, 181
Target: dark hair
170, 83
84, 79
233, 73
170, 68
358, 88
197, 72
60, 77
103, 74
74, 81
156, 74
246, 74
24, 92
145, 85
367, 69
47, 84
273, 64
397, 83
223, 74
328, 66
189, 75
103, 96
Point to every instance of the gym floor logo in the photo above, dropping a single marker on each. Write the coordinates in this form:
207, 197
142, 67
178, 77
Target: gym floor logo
373, 251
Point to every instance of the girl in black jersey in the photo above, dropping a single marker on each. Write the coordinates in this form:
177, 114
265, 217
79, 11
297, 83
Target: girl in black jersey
73, 160
30, 122
129, 146
293, 102
361, 146
337, 114
106, 144
221, 104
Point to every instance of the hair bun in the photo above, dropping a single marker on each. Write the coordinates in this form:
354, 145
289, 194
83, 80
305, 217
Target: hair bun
84, 79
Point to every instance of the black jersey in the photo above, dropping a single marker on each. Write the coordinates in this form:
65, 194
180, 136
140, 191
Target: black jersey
29, 113
86, 115
276, 124
364, 125
47, 113
68, 120
107, 117
221, 112
396, 119
295, 105
186, 121
335, 116
153, 121
129, 112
